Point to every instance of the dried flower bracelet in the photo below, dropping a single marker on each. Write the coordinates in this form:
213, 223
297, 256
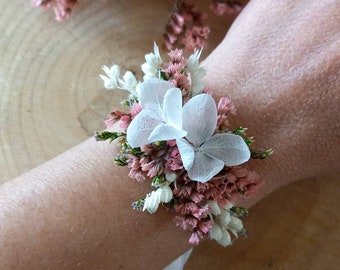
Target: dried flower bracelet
177, 137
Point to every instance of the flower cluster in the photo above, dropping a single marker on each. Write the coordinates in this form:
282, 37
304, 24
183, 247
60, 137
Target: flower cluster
176, 135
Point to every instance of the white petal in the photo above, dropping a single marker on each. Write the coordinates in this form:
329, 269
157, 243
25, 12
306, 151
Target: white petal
164, 193
229, 148
171, 177
228, 206
156, 52
164, 132
214, 208
187, 153
215, 232
141, 127
235, 225
108, 83
151, 202
152, 92
197, 73
172, 107
199, 118
130, 79
204, 167
224, 218
112, 72
225, 239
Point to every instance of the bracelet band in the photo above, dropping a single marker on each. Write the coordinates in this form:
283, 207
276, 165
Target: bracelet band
177, 137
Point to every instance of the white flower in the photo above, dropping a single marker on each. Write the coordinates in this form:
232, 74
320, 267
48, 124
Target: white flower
224, 222
114, 81
196, 73
152, 65
204, 155
162, 195
161, 115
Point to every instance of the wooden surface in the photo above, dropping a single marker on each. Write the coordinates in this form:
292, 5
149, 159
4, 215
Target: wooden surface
52, 99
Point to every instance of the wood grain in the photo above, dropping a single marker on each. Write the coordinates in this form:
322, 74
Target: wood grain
52, 99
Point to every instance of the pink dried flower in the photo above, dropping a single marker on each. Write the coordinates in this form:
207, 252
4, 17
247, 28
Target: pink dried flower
137, 175
220, 7
109, 122
184, 18
173, 28
123, 118
62, 8
205, 226
194, 238
209, 91
186, 223
191, 197
135, 109
153, 168
171, 143
174, 162
134, 165
176, 56
181, 81
125, 121
196, 37
225, 106
249, 183
174, 69
114, 117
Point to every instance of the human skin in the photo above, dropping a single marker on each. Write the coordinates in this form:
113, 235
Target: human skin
279, 64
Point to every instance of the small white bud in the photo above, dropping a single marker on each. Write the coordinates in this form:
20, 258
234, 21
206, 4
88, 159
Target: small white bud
225, 239
215, 232
214, 208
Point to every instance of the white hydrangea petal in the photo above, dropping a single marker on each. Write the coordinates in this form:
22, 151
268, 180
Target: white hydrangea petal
204, 167
187, 153
225, 239
199, 118
164, 132
172, 107
229, 148
141, 127
215, 232
152, 92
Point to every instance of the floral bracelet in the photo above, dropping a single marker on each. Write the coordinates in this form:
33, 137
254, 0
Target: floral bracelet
179, 139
